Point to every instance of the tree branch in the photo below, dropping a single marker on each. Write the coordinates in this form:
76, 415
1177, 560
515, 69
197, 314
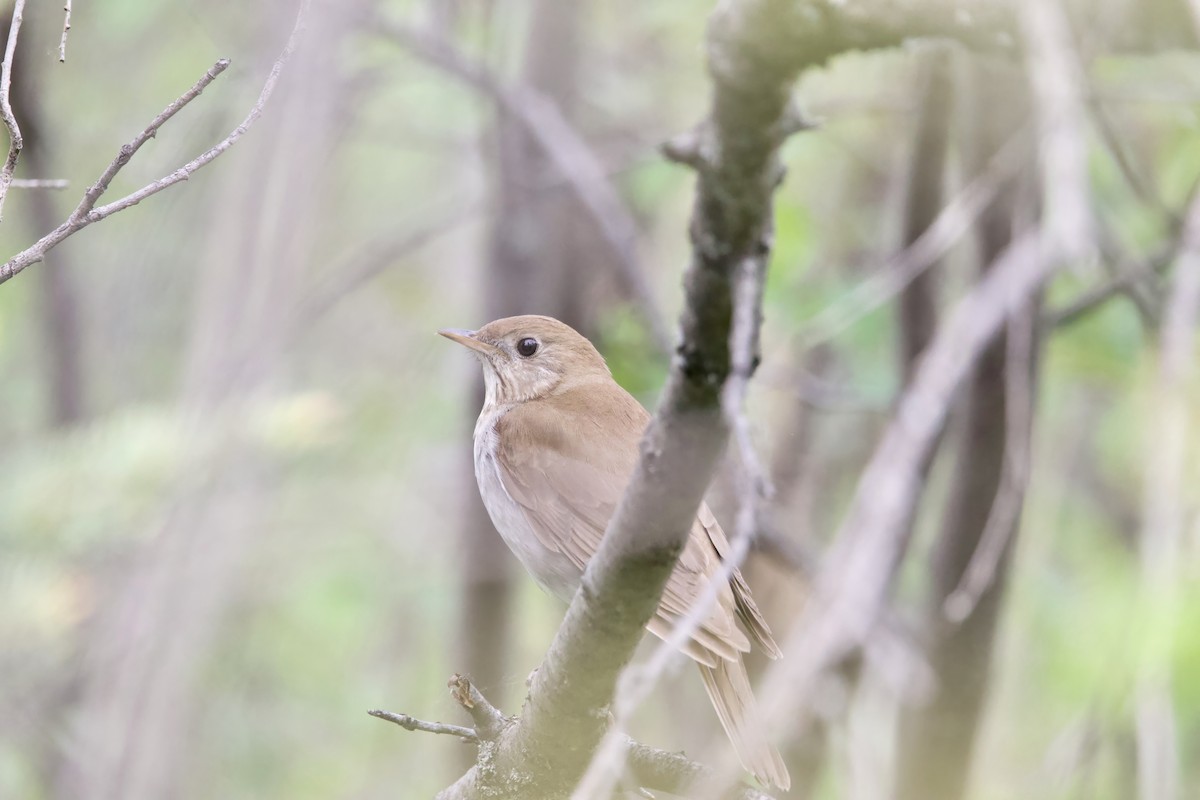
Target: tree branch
414, 724
564, 718
851, 593
756, 48
15, 142
86, 213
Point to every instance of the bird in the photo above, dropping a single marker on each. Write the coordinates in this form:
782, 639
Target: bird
555, 444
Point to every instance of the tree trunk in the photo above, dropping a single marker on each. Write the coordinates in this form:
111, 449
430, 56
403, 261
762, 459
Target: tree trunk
937, 740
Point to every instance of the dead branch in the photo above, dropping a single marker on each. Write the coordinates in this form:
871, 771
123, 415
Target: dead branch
414, 724
86, 213
15, 142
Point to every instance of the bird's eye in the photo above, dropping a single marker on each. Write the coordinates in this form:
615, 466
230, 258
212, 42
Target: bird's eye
527, 347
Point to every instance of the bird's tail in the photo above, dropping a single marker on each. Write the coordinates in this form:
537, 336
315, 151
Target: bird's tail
728, 688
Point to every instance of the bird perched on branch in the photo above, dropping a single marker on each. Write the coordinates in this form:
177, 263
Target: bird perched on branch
555, 445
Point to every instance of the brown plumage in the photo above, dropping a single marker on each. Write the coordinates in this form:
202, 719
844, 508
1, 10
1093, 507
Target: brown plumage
555, 445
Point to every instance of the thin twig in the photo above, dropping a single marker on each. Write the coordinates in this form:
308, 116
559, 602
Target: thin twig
128, 151
15, 142
743, 349
414, 724
39, 183
62, 44
85, 213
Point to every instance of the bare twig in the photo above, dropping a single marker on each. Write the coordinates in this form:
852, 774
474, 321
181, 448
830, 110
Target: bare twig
86, 213
62, 44
744, 350
15, 142
414, 724
39, 183
128, 151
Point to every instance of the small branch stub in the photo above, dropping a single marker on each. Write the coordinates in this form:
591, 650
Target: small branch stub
490, 722
688, 148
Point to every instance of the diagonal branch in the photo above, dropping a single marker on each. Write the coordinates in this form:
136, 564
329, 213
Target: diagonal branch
86, 213
851, 593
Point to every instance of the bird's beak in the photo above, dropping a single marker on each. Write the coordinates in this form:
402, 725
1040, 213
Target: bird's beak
468, 339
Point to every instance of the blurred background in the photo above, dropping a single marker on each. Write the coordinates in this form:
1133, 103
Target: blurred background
238, 506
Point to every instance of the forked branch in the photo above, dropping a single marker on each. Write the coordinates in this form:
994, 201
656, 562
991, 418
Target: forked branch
87, 213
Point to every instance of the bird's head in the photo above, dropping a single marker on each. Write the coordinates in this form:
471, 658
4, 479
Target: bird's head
529, 357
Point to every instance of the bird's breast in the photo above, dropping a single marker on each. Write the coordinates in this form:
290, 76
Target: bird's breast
553, 571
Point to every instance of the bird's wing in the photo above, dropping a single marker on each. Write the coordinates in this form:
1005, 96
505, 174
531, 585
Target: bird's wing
747, 610
568, 490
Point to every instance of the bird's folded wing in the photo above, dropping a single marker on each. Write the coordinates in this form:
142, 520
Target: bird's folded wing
747, 609
568, 498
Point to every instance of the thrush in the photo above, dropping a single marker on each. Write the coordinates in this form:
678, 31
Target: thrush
555, 445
